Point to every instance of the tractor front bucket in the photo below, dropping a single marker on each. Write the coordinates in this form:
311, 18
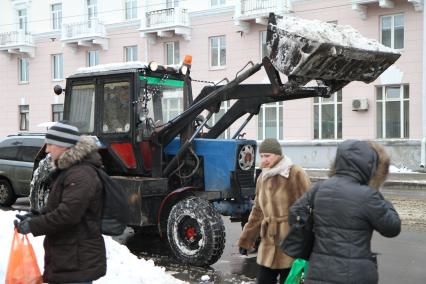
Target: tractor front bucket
311, 50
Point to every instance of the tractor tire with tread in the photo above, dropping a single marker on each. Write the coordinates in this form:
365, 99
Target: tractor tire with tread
7, 196
196, 232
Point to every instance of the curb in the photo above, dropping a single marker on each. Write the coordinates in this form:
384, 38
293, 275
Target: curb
395, 181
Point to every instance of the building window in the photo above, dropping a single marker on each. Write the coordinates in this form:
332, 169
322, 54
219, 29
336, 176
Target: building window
392, 31
172, 52
217, 51
92, 58
328, 117
23, 70
56, 16
22, 20
270, 121
172, 4
24, 112
57, 112
224, 107
393, 111
130, 53
263, 49
172, 104
131, 8
92, 11
57, 67
217, 3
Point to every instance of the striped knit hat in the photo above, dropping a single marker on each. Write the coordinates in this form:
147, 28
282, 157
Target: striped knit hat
63, 135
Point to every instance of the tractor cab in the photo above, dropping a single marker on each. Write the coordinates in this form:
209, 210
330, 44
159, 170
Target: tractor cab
122, 105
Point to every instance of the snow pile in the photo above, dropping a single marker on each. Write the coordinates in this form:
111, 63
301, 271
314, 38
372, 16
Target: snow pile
122, 265
343, 35
394, 169
112, 67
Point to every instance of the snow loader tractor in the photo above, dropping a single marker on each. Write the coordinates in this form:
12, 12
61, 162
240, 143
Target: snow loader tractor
180, 177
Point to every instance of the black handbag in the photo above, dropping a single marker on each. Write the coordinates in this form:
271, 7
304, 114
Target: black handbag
300, 239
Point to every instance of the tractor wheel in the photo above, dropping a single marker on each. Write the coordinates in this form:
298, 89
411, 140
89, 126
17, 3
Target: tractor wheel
196, 232
7, 196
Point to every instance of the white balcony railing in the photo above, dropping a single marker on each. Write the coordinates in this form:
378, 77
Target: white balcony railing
17, 42
361, 6
256, 7
167, 17
87, 29
166, 23
258, 10
15, 38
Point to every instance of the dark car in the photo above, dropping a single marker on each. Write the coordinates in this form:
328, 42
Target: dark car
17, 154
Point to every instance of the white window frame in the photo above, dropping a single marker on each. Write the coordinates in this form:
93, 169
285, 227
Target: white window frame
401, 99
171, 102
24, 70
24, 117
262, 42
217, 3
225, 106
130, 9
92, 58
130, 53
279, 124
336, 103
392, 29
57, 67
56, 16
172, 4
22, 19
221, 44
57, 112
174, 45
92, 9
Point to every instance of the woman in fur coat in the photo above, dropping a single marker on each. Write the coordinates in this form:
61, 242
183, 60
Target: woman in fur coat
279, 185
348, 207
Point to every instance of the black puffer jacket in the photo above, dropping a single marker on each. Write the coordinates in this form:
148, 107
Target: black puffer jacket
347, 209
74, 246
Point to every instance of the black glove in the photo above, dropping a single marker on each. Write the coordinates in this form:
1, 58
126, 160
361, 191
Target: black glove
242, 251
23, 227
24, 217
34, 212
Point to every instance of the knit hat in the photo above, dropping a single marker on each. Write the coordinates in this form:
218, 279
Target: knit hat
270, 145
62, 134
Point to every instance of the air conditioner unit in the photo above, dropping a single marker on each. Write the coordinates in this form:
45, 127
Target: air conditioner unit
360, 104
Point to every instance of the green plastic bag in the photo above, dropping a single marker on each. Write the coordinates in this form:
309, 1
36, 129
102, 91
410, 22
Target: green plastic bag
297, 272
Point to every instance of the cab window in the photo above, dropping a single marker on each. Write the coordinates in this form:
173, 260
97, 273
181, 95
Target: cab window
82, 107
116, 111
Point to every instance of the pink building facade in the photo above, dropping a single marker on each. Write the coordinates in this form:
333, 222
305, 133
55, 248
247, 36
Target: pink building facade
43, 42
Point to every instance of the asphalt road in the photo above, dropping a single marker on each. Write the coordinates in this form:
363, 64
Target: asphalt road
401, 259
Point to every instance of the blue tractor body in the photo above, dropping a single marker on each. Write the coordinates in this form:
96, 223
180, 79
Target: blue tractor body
220, 160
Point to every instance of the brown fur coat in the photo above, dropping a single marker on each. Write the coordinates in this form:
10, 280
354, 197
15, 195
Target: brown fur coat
275, 193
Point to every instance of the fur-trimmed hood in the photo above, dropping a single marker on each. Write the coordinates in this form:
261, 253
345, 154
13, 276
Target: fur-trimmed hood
282, 168
85, 149
368, 162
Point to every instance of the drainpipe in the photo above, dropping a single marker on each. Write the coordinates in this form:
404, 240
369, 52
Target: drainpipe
423, 146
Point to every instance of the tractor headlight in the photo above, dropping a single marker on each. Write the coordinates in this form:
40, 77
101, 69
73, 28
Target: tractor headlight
153, 66
246, 157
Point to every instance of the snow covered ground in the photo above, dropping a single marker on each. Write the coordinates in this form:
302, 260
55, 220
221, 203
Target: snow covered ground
122, 265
